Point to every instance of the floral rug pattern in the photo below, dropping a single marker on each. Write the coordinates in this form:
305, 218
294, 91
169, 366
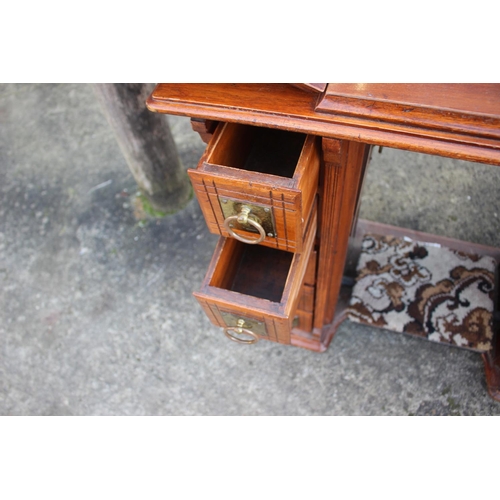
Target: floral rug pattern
426, 290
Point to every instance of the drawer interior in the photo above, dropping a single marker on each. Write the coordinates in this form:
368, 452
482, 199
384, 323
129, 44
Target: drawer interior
258, 149
252, 270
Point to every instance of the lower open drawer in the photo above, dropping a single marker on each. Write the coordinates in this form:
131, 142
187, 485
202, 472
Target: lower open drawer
253, 291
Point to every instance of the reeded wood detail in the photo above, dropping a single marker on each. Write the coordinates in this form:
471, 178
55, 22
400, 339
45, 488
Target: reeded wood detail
341, 175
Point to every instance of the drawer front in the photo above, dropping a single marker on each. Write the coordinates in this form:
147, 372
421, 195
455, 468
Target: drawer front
255, 291
262, 326
280, 204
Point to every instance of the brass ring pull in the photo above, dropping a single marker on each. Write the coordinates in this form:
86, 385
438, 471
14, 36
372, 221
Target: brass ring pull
239, 329
244, 217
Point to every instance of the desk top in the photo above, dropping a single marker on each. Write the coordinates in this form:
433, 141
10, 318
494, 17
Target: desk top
455, 120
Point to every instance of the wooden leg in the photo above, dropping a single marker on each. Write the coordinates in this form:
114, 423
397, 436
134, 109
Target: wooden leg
355, 238
342, 176
492, 358
147, 145
492, 369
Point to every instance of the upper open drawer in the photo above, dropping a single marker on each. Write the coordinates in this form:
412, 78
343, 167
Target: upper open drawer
258, 184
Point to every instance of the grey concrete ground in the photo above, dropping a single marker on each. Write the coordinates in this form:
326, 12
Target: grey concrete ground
97, 316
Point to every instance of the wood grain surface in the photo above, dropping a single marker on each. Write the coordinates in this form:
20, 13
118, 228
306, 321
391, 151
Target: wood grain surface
459, 121
462, 122
223, 173
217, 292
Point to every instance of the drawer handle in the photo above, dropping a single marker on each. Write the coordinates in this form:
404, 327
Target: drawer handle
245, 217
239, 330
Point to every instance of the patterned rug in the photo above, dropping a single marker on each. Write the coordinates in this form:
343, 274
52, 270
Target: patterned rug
426, 290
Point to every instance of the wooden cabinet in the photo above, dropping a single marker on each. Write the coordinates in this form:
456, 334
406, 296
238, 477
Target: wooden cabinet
258, 184
280, 150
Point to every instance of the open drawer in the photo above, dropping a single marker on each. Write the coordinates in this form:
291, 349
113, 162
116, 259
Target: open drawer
253, 291
258, 184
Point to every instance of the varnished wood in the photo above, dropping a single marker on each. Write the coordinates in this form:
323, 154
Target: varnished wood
306, 302
241, 103
311, 87
305, 320
465, 135
304, 340
365, 226
492, 358
491, 361
205, 128
216, 293
459, 121
305, 308
223, 173
310, 277
440, 102
262, 272
228, 261
342, 171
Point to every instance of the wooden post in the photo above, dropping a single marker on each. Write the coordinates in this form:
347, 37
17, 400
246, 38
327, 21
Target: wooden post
344, 166
147, 144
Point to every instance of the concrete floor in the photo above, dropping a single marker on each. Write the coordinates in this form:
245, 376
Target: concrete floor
96, 306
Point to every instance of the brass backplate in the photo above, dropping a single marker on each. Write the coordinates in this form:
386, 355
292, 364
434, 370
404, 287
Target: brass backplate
253, 325
232, 207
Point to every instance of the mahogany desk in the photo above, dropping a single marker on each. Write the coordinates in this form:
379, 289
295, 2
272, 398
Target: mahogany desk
459, 121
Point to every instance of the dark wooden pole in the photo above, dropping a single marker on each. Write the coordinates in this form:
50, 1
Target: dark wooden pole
147, 144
